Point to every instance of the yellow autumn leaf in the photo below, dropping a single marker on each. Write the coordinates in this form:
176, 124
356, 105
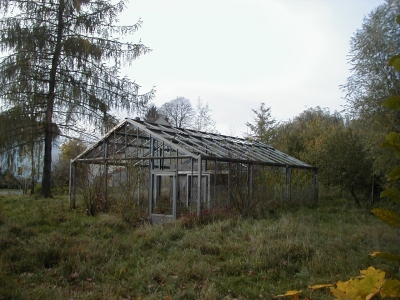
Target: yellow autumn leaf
319, 286
370, 284
392, 102
391, 288
372, 295
385, 255
342, 285
360, 288
388, 216
375, 276
344, 290
338, 293
392, 193
372, 270
289, 293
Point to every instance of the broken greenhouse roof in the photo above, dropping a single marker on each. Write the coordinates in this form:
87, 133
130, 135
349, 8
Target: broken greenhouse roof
192, 143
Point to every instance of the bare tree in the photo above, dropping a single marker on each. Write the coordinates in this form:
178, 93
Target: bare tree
203, 120
179, 112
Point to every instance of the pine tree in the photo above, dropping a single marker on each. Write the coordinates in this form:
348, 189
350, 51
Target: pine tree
62, 60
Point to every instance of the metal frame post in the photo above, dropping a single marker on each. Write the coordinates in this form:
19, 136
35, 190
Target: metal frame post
315, 187
249, 185
72, 195
288, 184
199, 163
229, 185
174, 195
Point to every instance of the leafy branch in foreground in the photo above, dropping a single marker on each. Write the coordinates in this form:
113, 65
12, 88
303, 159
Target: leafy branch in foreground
369, 284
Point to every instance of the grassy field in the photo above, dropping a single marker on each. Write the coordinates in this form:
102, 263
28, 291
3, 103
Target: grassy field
50, 252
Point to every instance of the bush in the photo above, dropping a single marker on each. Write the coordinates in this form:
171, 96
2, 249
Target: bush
8, 180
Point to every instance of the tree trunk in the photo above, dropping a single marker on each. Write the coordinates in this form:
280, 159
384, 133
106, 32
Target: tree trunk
32, 169
373, 190
48, 138
46, 179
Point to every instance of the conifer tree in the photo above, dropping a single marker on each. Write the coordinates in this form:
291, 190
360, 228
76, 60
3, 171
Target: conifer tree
62, 59
264, 124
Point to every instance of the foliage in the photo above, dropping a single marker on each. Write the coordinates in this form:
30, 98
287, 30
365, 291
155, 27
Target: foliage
370, 284
69, 150
93, 196
392, 217
393, 141
372, 80
126, 198
151, 114
21, 138
299, 136
20, 128
7, 180
263, 128
61, 66
341, 161
51, 252
388, 216
331, 143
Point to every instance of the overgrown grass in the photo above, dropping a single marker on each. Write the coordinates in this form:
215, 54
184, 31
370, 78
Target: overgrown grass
50, 252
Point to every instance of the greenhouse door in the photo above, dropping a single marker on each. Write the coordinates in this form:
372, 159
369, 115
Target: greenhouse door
163, 197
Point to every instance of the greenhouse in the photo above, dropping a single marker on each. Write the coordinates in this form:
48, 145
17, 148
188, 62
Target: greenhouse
171, 172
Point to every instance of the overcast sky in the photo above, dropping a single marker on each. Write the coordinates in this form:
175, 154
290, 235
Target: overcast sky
289, 54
